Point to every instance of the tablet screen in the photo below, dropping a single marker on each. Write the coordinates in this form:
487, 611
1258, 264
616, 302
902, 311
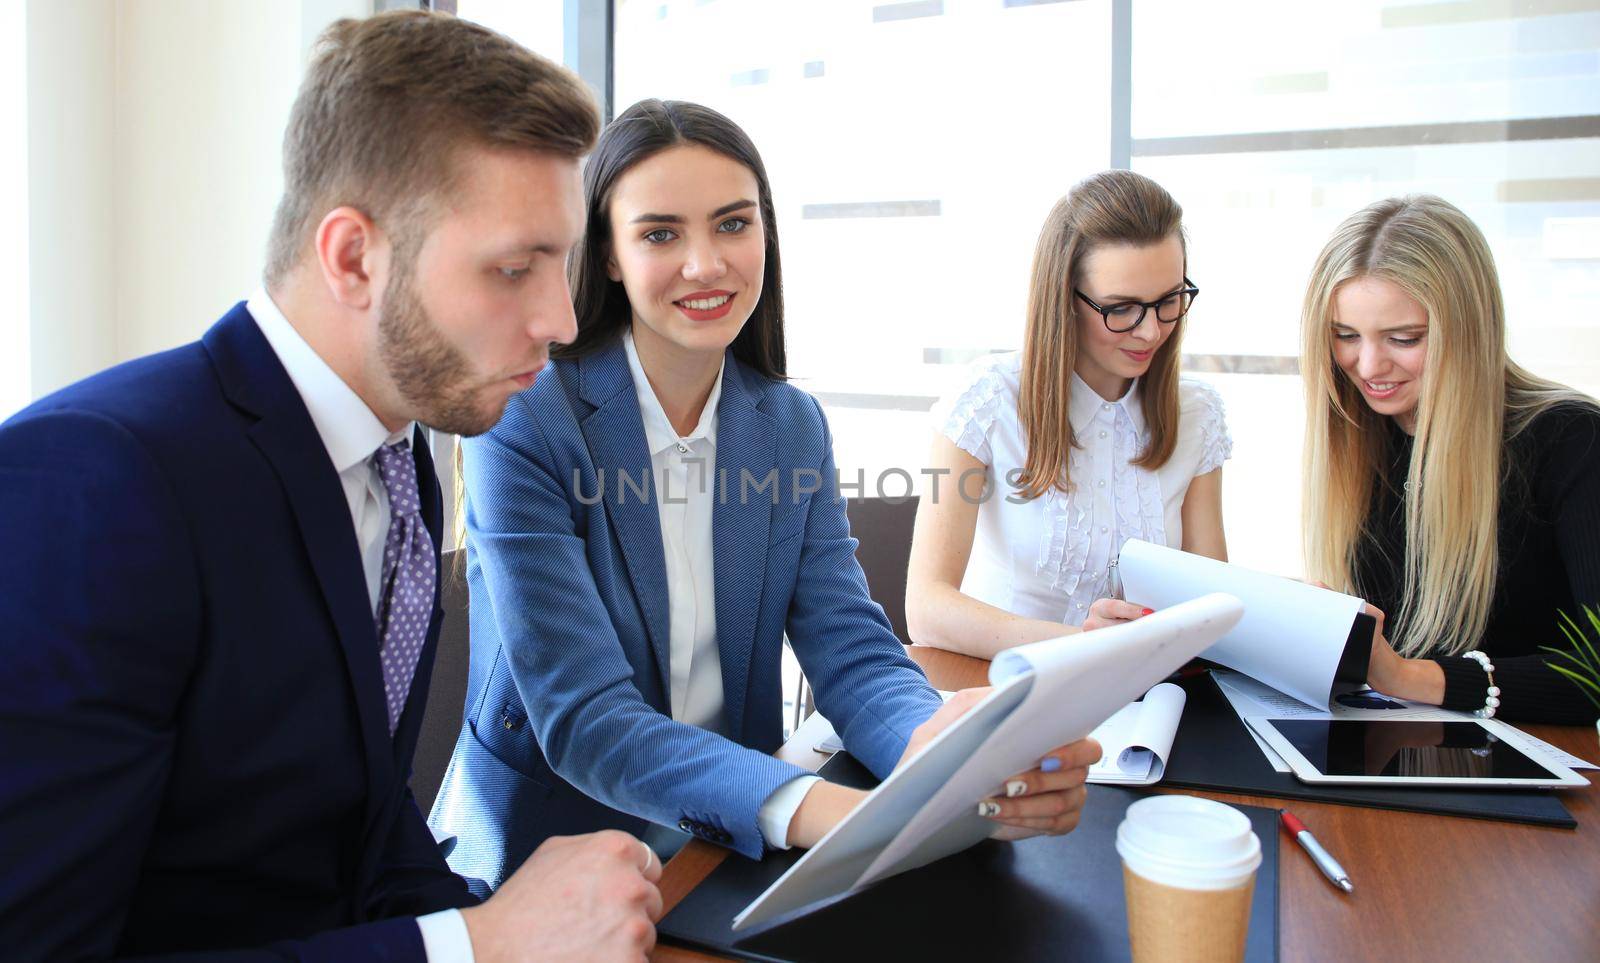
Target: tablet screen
1438, 750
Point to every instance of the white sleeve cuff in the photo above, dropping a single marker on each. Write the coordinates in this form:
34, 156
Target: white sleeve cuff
778, 811
444, 937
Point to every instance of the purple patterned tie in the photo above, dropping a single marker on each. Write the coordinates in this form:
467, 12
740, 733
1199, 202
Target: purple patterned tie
406, 604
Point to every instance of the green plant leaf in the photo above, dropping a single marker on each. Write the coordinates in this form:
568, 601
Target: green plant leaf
1585, 651
1586, 683
1585, 660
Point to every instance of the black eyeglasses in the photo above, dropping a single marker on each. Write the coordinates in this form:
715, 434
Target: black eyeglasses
1124, 316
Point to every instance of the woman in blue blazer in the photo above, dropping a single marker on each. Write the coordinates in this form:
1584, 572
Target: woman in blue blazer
646, 524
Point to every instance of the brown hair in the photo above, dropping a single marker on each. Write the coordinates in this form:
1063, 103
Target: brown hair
1112, 207
389, 100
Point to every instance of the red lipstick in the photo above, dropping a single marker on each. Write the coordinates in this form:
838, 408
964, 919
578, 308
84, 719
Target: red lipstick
705, 313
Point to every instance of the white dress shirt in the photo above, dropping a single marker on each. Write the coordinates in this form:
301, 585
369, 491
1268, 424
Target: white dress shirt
1051, 557
682, 467
352, 435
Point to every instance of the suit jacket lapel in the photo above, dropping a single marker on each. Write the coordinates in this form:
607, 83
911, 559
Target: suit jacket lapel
741, 522
253, 378
615, 434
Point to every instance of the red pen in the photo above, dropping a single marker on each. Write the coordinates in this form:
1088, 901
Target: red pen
1330, 867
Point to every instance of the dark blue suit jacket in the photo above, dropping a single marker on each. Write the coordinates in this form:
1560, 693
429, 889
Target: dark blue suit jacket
194, 751
568, 726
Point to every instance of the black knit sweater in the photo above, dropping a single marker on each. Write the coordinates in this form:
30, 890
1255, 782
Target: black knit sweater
1549, 562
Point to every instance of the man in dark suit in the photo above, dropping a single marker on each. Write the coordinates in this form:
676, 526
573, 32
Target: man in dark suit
219, 565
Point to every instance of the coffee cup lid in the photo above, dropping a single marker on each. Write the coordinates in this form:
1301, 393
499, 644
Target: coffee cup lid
1189, 842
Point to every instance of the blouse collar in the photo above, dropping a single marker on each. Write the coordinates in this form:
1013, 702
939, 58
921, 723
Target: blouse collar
1086, 405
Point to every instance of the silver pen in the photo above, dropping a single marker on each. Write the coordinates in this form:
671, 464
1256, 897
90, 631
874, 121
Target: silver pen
1330, 867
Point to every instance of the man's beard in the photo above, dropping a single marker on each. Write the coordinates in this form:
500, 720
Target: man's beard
432, 375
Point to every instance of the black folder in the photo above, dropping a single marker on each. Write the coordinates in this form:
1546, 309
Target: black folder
1214, 751
1042, 898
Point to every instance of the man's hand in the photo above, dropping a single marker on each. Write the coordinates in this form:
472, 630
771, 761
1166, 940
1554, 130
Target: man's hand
576, 898
1048, 799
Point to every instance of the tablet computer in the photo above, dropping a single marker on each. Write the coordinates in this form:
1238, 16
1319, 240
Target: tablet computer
1406, 752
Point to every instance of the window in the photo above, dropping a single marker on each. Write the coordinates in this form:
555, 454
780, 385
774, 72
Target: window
1497, 112
915, 147
537, 26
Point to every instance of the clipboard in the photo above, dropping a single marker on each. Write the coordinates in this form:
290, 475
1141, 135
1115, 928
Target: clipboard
1046, 694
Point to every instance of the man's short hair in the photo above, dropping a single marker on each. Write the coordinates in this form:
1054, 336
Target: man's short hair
387, 103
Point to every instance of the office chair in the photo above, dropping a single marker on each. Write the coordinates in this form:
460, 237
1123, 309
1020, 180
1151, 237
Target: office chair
447, 692
882, 526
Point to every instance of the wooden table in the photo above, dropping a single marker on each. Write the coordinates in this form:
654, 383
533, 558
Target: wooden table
1427, 887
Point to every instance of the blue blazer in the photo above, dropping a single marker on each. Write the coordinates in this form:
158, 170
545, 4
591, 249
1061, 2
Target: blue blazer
194, 751
568, 725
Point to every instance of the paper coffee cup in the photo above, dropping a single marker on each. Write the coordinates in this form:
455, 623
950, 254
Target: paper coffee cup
1188, 869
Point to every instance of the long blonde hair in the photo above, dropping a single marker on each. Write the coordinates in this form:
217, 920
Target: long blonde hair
1112, 207
1474, 400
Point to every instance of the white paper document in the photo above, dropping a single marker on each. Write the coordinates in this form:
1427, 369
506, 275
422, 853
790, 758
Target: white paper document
1046, 694
1291, 636
1137, 741
1251, 698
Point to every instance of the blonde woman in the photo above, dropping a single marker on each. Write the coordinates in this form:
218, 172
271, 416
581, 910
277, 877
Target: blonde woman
1048, 459
1454, 490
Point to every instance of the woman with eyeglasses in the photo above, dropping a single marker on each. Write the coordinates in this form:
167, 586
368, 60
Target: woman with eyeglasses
1046, 460
1455, 491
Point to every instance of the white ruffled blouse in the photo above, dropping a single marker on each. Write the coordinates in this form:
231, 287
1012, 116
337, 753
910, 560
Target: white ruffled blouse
1050, 557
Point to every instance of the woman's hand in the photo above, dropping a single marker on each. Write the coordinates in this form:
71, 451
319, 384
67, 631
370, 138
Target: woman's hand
1048, 799
1107, 612
1384, 665
1420, 680
954, 708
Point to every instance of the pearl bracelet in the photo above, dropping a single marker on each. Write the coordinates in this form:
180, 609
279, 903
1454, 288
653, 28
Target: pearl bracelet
1491, 700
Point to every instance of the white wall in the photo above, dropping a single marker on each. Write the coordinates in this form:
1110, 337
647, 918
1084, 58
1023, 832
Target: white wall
14, 334
71, 268
155, 131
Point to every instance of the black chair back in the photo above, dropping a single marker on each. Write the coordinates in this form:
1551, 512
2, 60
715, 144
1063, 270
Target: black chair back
883, 527
447, 692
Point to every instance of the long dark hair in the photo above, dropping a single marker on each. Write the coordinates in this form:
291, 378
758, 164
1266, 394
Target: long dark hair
601, 304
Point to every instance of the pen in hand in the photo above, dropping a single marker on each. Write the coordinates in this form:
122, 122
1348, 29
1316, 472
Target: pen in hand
1330, 867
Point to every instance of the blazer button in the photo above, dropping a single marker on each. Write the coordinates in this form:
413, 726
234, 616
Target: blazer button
685, 825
